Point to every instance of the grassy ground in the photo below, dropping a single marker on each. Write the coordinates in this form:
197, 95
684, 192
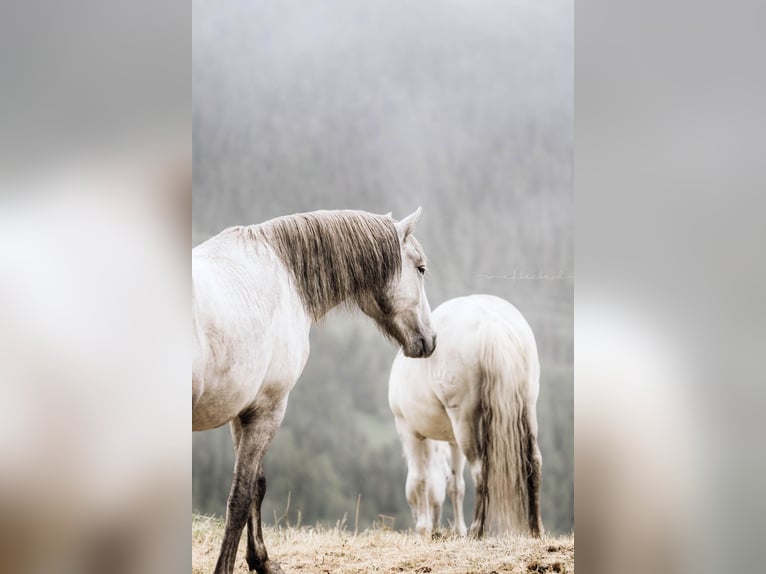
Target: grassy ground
336, 550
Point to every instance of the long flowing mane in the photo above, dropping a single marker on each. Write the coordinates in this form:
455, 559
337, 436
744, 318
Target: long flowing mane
333, 256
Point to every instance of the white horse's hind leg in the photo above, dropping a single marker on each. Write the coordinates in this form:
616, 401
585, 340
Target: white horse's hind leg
416, 488
481, 505
533, 472
467, 443
456, 487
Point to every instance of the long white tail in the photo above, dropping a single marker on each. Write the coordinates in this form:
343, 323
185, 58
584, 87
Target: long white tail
505, 439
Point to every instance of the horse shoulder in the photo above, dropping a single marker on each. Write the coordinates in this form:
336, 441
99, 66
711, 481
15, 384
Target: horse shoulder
247, 330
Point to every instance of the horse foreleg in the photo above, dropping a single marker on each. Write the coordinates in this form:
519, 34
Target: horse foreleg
436, 483
252, 434
254, 533
257, 557
436, 501
416, 488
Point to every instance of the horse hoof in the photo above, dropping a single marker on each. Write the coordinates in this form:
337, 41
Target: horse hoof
272, 568
437, 535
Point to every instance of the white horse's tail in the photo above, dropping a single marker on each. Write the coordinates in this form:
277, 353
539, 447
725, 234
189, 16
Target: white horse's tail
504, 439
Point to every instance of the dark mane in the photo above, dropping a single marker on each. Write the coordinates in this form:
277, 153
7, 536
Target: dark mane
334, 256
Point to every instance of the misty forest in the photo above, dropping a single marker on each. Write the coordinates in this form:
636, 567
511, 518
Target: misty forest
465, 109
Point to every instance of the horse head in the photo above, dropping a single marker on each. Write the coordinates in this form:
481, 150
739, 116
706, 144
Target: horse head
401, 306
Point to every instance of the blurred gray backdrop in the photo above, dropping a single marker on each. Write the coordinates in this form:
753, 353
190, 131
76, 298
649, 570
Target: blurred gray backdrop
463, 108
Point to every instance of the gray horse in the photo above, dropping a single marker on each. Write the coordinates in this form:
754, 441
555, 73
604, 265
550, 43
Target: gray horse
255, 293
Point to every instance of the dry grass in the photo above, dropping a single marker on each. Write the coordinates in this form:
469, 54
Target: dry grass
336, 550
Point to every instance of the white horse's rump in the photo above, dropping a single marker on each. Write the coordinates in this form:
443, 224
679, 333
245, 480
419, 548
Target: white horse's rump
256, 291
478, 394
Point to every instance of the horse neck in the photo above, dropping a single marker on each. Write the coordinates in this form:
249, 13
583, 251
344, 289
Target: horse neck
316, 314
334, 259
317, 308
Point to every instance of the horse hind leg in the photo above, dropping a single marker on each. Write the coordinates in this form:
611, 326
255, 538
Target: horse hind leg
481, 506
468, 443
456, 488
534, 470
252, 435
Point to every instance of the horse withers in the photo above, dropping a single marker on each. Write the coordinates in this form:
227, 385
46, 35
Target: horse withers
474, 398
255, 293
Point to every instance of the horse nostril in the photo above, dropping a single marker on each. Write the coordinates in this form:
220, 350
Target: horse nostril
428, 345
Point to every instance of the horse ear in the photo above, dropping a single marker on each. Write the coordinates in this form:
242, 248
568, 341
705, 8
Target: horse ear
407, 225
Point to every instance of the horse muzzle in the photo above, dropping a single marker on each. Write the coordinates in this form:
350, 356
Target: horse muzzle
422, 347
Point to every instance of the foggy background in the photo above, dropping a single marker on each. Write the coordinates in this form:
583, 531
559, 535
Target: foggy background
463, 109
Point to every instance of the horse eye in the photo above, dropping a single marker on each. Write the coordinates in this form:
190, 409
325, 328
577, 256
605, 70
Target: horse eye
422, 269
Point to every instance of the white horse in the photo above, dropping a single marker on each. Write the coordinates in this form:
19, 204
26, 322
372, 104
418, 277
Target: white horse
255, 293
475, 398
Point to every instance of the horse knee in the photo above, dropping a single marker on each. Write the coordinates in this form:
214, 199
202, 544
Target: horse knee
238, 508
436, 514
415, 487
535, 464
456, 485
244, 495
437, 490
260, 485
